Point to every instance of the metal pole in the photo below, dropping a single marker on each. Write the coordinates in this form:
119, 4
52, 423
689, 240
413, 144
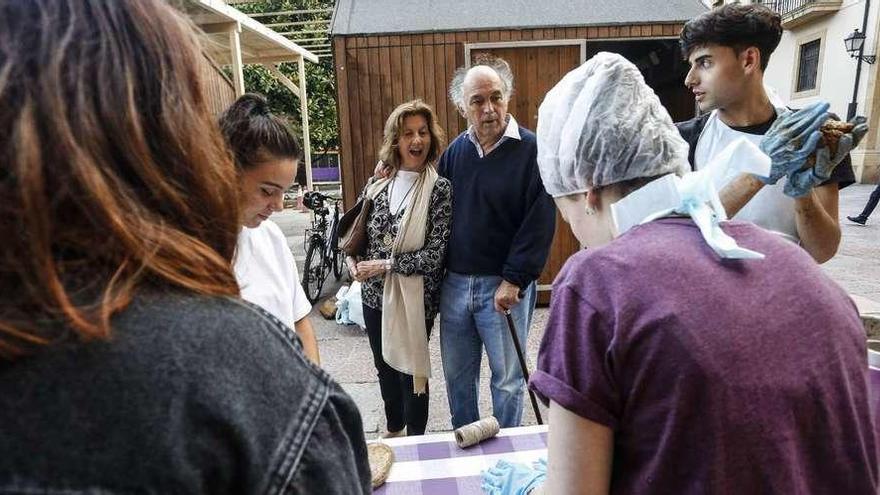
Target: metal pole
522, 364
237, 64
304, 115
851, 110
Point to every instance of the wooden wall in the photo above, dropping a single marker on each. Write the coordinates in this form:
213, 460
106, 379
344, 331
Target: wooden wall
376, 73
217, 87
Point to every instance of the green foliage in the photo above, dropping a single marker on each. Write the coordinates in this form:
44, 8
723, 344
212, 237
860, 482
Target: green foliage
320, 79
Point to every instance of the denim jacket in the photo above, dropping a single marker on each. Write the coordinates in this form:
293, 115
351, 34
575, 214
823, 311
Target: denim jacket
190, 395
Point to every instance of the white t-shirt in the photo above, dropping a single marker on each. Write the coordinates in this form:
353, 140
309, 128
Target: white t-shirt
401, 190
267, 274
770, 208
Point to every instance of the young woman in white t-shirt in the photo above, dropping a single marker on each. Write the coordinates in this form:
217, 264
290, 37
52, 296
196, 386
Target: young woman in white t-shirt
266, 156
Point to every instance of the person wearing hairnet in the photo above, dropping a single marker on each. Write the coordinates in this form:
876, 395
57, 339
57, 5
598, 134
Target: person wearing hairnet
683, 353
728, 49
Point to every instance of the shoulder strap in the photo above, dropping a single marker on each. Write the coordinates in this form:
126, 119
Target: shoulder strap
690, 131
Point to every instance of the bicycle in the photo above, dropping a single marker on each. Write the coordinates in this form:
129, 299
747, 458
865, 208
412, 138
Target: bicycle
322, 251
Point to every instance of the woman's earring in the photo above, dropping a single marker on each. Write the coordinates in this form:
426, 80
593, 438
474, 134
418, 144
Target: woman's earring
589, 209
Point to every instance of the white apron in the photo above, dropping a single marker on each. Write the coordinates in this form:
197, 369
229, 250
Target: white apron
770, 208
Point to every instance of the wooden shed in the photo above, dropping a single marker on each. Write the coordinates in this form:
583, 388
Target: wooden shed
390, 51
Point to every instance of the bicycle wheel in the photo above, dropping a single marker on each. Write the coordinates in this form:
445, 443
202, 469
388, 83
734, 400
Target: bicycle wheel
338, 263
336, 256
313, 271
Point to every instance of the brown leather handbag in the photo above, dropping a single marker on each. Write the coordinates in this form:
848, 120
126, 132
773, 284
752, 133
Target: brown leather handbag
353, 227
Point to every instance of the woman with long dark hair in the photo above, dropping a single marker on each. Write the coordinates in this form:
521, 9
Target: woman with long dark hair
128, 363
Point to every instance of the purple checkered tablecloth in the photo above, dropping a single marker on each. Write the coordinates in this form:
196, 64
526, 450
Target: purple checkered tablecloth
434, 465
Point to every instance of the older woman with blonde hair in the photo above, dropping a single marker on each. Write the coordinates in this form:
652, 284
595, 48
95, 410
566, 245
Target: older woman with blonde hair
402, 269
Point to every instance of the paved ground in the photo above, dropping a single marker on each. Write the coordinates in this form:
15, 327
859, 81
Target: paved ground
857, 264
346, 353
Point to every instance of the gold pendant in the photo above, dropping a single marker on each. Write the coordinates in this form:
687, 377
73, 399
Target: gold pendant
387, 239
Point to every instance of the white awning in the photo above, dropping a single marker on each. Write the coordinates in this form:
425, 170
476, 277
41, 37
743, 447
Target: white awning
259, 44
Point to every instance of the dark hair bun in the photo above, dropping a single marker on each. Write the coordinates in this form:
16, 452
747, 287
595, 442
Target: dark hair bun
248, 105
254, 134
259, 105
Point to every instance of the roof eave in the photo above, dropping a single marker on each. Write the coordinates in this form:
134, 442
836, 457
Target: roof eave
219, 7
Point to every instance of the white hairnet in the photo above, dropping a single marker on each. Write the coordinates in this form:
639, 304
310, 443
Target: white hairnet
602, 124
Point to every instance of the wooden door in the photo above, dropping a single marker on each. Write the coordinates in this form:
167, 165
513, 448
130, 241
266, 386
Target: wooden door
536, 69
662, 66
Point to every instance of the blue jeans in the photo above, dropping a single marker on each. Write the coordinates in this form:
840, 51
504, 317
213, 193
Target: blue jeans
468, 321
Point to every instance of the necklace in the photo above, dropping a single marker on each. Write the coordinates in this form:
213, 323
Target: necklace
387, 237
402, 201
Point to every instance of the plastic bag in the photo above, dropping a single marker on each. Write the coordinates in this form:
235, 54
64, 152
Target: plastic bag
349, 307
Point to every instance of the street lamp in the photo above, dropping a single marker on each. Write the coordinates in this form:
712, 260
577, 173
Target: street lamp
855, 43
855, 46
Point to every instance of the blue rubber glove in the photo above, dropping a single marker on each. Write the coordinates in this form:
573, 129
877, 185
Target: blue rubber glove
791, 139
508, 478
540, 465
801, 181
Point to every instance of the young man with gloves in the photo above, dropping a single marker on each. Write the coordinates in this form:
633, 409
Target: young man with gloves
728, 49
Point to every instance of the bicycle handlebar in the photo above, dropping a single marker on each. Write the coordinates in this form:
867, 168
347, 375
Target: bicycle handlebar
323, 196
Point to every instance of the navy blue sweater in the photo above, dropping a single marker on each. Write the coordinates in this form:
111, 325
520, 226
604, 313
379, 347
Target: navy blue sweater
503, 220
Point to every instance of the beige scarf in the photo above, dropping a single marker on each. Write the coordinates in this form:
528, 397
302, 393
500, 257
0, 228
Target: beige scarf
404, 336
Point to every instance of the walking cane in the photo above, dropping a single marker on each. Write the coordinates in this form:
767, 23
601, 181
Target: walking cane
522, 363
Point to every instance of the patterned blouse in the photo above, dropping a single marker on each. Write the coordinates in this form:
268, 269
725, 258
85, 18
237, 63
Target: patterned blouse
429, 261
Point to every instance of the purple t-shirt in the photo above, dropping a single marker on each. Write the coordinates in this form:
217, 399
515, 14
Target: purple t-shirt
734, 376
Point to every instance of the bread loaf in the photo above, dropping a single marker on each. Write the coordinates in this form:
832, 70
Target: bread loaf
830, 133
